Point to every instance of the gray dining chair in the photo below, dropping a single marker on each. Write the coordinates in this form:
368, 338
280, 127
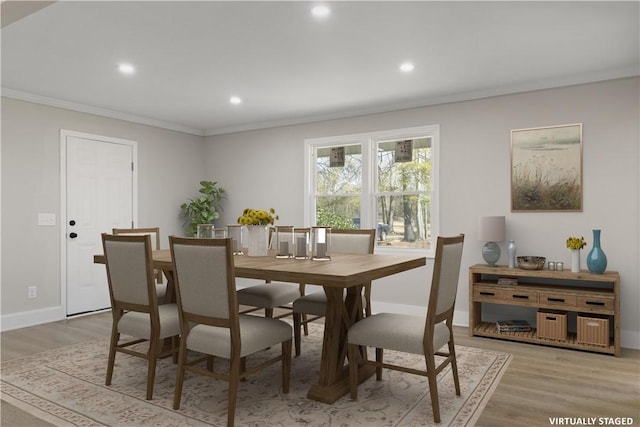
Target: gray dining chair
415, 334
211, 324
154, 232
310, 307
134, 305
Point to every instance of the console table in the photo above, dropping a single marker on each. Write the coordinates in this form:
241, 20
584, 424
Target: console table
595, 298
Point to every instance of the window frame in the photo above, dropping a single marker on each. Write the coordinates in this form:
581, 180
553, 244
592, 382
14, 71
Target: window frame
369, 191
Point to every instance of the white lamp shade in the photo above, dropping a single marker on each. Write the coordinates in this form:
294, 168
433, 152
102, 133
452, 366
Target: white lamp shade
491, 228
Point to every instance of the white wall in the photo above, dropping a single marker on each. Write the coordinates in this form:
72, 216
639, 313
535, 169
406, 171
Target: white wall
170, 167
262, 169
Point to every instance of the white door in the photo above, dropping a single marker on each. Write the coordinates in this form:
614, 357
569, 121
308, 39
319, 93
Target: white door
100, 188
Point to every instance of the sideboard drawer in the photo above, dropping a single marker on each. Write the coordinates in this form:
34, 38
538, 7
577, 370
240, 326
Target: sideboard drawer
596, 303
558, 300
525, 297
484, 293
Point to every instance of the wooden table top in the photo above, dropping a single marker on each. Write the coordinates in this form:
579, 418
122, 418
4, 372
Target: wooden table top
343, 270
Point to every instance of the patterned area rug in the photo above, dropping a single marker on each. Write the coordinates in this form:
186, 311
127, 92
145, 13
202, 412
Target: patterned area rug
66, 387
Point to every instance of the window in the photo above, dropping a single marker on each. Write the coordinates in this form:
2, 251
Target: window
383, 180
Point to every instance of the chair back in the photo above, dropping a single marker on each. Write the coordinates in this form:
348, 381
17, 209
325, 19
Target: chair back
444, 285
130, 274
204, 279
154, 232
353, 241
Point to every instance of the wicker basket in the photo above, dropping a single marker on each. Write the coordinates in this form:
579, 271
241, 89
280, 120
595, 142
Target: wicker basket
552, 325
593, 330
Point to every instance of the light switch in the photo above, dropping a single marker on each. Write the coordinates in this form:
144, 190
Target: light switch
46, 219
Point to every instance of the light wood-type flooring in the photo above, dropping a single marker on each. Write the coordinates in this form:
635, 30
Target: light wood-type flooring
540, 385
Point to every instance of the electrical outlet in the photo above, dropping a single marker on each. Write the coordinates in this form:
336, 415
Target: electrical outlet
32, 292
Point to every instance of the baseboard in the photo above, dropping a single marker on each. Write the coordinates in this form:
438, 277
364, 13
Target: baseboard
31, 318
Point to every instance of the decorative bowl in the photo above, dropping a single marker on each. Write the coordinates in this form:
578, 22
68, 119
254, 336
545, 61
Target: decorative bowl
531, 262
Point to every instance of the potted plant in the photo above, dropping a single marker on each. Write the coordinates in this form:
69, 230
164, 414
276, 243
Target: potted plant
203, 209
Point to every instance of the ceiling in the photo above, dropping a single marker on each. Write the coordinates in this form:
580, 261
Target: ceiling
289, 67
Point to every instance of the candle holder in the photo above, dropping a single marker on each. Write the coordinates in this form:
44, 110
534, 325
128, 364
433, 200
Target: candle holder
301, 243
208, 231
320, 243
234, 231
284, 241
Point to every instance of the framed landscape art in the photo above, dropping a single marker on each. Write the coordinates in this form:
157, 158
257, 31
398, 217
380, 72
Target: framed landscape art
546, 169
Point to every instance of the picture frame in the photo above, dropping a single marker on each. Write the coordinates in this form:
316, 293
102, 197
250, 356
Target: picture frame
546, 169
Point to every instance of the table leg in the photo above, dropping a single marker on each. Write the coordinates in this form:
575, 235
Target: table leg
341, 313
170, 295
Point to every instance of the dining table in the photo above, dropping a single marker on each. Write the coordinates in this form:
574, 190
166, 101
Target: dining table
342, 278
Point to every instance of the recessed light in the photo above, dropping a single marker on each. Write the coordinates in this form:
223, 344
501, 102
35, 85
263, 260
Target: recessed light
407, 67
125, 68
235, 100
320, 11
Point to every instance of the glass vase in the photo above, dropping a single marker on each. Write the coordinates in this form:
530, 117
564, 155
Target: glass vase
596, 260
257, 240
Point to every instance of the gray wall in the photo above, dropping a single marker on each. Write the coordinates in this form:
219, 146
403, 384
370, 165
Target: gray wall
474, 182
170, 167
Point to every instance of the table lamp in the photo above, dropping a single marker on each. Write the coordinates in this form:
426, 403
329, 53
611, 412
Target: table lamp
491, 229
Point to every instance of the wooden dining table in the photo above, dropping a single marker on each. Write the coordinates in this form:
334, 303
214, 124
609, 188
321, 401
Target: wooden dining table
344, 271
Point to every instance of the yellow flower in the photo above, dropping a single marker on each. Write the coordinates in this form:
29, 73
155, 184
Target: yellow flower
576, 242
258, 217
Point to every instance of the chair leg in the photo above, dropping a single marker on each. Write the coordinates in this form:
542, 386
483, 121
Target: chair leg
154, 350
115, 337
182, 360
286, 365
234, 379
268, 312
297, 320
304, 316
175, 346
305, 325
433, 386
243, 367
353, 370
379, 359
454, 366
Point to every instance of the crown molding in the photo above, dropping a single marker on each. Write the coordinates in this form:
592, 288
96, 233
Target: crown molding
89, 109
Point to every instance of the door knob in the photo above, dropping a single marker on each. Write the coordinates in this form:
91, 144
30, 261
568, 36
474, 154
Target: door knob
73, 235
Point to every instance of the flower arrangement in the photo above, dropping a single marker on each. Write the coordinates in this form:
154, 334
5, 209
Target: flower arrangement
576, 242
257, 217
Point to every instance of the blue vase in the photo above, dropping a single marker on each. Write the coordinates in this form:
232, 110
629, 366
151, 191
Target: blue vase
596, 260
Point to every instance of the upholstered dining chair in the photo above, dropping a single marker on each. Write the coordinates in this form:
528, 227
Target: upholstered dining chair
270, 295
154, 232
210, 322
134, 304
415, 334
312, 306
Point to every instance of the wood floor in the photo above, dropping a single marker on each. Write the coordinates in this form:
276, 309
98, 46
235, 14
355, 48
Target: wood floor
541, 383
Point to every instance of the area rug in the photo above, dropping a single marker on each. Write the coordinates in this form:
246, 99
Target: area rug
66, 387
